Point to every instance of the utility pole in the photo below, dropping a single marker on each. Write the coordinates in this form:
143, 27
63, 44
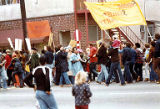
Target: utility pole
23, 15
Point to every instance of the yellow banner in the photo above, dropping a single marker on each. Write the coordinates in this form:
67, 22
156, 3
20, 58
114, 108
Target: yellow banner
50, 41
116, 13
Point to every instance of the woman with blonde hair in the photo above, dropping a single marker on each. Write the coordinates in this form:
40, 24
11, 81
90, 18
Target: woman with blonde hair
81, 91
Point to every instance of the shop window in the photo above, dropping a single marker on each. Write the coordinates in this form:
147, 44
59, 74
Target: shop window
65, 38
92, 33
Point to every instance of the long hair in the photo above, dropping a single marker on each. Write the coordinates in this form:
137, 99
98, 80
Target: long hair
81, 77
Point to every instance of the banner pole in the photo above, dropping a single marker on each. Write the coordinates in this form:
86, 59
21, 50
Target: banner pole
149, 34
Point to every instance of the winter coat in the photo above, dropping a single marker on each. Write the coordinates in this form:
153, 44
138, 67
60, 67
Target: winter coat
134, 55
113, 52
157, 49
127, 55
61, 62
102, 55
77, 66
92, 55
34, 61
82, 94
49, 57
8, 60
17, 66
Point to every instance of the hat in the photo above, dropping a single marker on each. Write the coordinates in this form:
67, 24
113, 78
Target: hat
116, 44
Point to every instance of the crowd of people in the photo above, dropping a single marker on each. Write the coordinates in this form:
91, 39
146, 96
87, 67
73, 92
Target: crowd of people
63, 67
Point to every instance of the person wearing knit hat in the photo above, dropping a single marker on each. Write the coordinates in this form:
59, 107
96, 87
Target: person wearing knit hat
116, 44
115, 63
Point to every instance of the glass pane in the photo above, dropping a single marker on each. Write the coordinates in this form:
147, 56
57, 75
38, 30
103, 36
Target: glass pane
92, 33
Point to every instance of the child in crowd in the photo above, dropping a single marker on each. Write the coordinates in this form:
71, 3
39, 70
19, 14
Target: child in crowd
81, 91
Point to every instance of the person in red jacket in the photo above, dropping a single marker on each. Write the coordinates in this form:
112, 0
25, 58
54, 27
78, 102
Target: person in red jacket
93, 62
8, 59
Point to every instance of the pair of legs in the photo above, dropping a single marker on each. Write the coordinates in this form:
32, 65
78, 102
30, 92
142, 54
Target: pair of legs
138, 70
93, 71
153, 74
9, 74
46, 101
104, 74
64, 76
115, 66
3, 76
127, 72
156, 66
133, 73
20, 77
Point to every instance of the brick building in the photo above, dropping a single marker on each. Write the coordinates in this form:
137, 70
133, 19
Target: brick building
64, 17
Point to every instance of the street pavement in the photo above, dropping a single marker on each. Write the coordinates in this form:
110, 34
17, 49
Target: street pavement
142, 95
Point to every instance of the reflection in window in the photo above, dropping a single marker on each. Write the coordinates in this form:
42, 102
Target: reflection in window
7, 2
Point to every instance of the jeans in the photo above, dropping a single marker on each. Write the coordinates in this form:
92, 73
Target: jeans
65, 77
71, 78
4, 77
153, 74
156, 66
138, 70
103, 74
46, 101
93, 71
131, 67
115, 66
9, 74
127, 72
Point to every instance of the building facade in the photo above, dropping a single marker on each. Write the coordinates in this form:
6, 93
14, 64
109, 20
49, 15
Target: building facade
64, 17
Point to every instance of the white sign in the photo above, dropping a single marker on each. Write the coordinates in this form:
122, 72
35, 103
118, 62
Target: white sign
28, 42
10, 42
18, 44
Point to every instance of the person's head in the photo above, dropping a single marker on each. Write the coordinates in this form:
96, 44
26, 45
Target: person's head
8, 51
16, 54
153, 44
115, 37
34, 50
49, 49
81, 77
43, 51
147, 45
157, 36
42, 60
137, 45
128, 44
74, 50
90, 45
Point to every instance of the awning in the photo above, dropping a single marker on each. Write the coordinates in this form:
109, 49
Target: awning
16, 33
